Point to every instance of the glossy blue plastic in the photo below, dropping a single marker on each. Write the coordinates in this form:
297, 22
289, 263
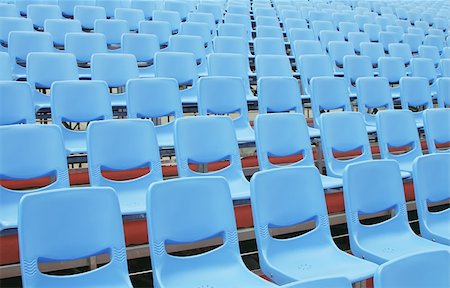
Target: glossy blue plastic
191, 44
431, 182
343, 132
397, 128
430, 52
392, 68
306, 47
232, 30
424, 67
269, 46
79, 101
356, 38
45, 68
155, 98
373, 93
436, 126
213, 8
182, 7
373, 50
387, 37
273, 65
337, 51
443, 95
270, 31
415, 93
301, 34
68, 6
8, 10
136, 148
161, 29
286, 134
205, 18
222, 95
5, 67
425, 269
413, 40
51, 233
402, 50
143, 47
194, 145
58, 28
147, 7
373, 30
376, 186
88, 14
321, 282
231, 44
172, 17
182, 67
29, 151
313, 66
8, 24
38, 13
202, 30
115, 70
111, 5
289, 196
21, 43
232, 65
319, 25
327, 36
356, 67
233, 18
113, 30
221, 267
16, 103
132, 16
347, 27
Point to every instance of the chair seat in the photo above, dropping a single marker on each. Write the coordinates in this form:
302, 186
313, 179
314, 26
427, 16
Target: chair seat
132, 202
371, 129
440, 230
240, 188
330, 182
165, 139
313, 132
245, 135
76, 145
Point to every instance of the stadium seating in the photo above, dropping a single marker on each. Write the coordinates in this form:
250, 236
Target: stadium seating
17, 103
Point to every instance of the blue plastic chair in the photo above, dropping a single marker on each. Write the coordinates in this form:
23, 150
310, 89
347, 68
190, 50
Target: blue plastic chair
87, 15
374, 51
430, 173
424, 67
147, 7
38, 13
397, 128
373, 30
191, 44
387, 38
232, 30
213, 8
443, 95
210, 268
32, 151
301, 34
8, 10
269, 46
58, 235
135, 147
415, 94
17, 103
234, 45
172, 17
424, 269
232, 65
273, 65
320, 282
375, 186
292, 23
58, 28
362, 19
327, 36
392, 68
182, 7
269, 32
113, 29
21, 43
266, 22
202, 30
356, 67
414, 41
182, 67
436, 128
205, 18
347, 27
337, 51
343, 132
155, 98
116, 70
313, 66
132, 16
161, 29
22, 5
444, 65
373, 94
79, 101
437, 41
276, 203
430, 52
356, 38
68, 6
45, 68
5, 67
306, 47
286, 134
222, 95
144, 48
402, 50
9, 24
83, 46
321, 25
233, 18
194, 145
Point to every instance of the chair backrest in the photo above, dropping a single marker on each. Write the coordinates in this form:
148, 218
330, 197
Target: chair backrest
279, 94
197, 29
147, 7
424, 67
415, 92
161, 29
233, 29
179, 65
17, 103
373, 30
387, 37
231, 44
347, 27
320, 25
413, 40
204, 18
79, 101
5, 67
58, 28
173, 17
343, 132
9, 24
88, 14
338, 50
328, 93
421, 269
430, 52
273, 65
267, 21
189, 44
8, 10
436, 126
356, 67
229, 64
182, 7
38, 13
84, 45
112, 29
32, 151
327, 36
211, 7
443, 95
301, 34
269, 46
74, 212
131, 15
269, 32
68, 6
111, 6
213, 221
373, 93
282, 135
371, 187
137, 147
306, 47
444, 65
402, 50
397, 128
142, 46
44, 68
356, 38
314, 66
373, 50
115, 69
393, 68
